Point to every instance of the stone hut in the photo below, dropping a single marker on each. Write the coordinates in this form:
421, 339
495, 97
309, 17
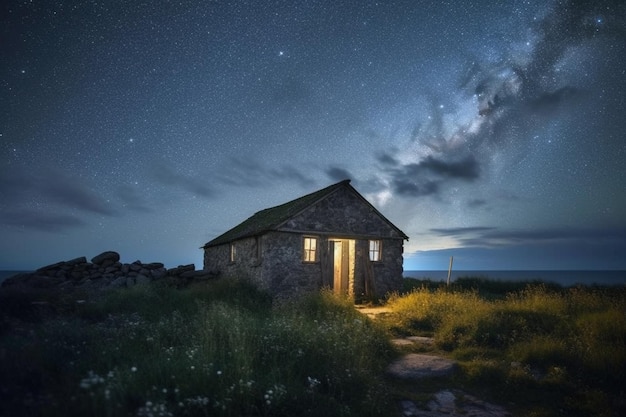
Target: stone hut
331, 238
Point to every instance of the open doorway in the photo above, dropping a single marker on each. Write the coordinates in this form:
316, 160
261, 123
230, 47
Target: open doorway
343, 251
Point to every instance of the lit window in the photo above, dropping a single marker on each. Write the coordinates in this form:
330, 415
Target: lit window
310, 249
375, 250
233, 252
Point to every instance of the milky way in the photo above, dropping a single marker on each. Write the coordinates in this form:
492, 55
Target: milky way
478, 128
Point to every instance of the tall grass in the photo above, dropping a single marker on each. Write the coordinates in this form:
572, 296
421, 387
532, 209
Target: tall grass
221, 350
560, 349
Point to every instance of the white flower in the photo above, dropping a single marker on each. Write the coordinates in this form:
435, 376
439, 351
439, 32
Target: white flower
133, 369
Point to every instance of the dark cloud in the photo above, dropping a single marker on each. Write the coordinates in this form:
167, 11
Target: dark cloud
252, 173
461, 231
467, 168
47, 186
338, 174
290, 173
485, 236
429, 175
387, 160
42, 221
548, 103
406, 187
476, 202
199, 186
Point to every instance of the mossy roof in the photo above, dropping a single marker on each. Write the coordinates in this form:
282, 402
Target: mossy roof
271, 218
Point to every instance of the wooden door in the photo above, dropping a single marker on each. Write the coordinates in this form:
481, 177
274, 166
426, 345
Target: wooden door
337, 265
343, 265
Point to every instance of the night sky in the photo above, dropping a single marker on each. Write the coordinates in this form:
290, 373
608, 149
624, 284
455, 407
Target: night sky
491, 131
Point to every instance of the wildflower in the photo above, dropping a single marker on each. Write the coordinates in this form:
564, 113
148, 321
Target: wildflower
313, 382
133, 369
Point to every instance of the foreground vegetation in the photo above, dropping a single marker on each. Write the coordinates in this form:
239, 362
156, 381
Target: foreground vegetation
541, 350
226, 349
218, 350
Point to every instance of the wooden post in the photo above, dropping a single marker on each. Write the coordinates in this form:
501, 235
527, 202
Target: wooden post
450, 270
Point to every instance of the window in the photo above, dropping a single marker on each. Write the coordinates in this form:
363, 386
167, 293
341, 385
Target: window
233, 252
375, 254
310, 249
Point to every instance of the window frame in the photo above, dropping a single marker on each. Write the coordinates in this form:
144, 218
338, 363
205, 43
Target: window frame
307, 251
375, 252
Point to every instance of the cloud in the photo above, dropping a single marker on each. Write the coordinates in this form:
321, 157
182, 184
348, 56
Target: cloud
486, 236
164, 174
466, 169
476, 202
427, 176
51, 186
534, 83
252, 173
42, 221
338, 174
289, 172
387, 159
500, 105
460, 231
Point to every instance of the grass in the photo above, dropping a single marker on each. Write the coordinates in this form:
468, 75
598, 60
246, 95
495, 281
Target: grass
226, 349
543, 350
222, 350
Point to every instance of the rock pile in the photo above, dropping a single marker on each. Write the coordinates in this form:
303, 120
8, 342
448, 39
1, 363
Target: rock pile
105, 271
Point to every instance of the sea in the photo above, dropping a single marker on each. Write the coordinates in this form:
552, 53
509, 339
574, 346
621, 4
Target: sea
564, 278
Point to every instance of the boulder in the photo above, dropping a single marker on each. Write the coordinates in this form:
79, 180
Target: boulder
107, 263
142, 280
52, 266
109, 256
105, 271
77, 261
158, 273
118, 282
110, 269
180, 269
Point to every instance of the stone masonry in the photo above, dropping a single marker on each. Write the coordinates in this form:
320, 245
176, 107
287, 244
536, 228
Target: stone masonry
105, 271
